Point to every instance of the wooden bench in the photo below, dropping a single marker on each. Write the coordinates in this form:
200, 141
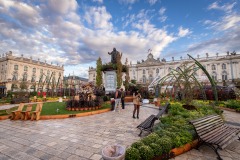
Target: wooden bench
214, 133
25, 115
17, 113
37, 112
148, 124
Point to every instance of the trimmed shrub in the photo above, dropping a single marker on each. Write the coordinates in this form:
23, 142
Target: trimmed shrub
157, 150
132, 154
150, 139
146, 152
137, 144
166, 143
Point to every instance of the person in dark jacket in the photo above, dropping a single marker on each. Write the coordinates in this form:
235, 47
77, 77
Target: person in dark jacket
122, 98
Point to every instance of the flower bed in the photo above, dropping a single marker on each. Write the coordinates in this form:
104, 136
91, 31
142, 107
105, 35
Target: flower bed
174, 131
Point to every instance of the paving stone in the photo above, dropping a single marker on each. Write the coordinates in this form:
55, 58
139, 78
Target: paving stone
84, 137
46, 156
4, 157
74, 157
96, 157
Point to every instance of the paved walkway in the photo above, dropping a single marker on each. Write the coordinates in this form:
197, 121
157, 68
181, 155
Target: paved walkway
84, 137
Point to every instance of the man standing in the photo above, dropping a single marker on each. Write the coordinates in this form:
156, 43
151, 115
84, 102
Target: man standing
122, 98
117, 99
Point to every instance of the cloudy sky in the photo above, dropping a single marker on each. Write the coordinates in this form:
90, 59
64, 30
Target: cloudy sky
76, 33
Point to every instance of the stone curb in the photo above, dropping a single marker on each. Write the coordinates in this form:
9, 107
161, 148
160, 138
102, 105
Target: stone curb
46, 117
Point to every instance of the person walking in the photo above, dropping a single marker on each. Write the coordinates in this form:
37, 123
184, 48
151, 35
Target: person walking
117, 99
122, 98
136, 102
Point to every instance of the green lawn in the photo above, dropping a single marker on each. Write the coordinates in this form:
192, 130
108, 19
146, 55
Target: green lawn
50, 108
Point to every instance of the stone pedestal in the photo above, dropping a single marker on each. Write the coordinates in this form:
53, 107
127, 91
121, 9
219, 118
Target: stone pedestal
110, 82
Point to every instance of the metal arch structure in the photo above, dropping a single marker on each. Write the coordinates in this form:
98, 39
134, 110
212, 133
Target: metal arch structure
177, 77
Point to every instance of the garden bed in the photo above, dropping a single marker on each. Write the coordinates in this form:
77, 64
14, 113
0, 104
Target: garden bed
173, 136
54, 110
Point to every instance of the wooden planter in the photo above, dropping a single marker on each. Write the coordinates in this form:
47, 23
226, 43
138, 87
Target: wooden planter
185, 148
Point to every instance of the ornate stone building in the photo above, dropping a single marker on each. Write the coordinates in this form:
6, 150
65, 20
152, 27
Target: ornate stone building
223, 69
32, 74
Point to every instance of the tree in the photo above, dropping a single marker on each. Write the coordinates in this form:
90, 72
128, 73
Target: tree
119, 71
99, 80
23, 85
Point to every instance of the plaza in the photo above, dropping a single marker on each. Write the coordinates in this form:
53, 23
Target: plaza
84, 137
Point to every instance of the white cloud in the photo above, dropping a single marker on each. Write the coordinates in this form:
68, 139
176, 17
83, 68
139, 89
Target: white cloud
226, 7
99, 17
182, 32
127, 1
162, 10
55, 32
152, 2
62, 6
99, 1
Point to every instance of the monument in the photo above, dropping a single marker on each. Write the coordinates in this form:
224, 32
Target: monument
110, 83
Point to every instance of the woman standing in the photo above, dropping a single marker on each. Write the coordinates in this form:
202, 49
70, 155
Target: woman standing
136, 102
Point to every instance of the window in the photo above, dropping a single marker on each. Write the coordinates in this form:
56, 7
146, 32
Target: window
15, 67
144, 79
133, 72
25, 77
213, 67
150, 78
48, 72
34, 70
169, 69
214, 76
157, 70
224, 66
33, 78
41, 70
224, 76
143, 71
25, 68
15, 77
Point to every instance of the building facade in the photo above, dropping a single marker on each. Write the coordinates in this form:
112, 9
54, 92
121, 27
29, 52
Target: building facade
25, 73
223, 69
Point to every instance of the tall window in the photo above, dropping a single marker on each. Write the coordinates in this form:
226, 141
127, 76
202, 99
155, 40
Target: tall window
15, 67
33, 78
34, 70
213, 67
224, 75
214, 76
150, 78
169, 69
224, 66
15, 77
25, 68
144, 71
157, 70
41, 71
25, 77
133, 72
144, 79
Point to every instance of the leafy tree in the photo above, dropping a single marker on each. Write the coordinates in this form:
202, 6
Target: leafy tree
119, 71
99, 80
23, 85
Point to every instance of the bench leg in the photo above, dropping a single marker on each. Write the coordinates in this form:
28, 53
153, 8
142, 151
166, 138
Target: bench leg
140, 133
215, 150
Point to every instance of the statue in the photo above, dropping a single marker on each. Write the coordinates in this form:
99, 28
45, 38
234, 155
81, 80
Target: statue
114, 55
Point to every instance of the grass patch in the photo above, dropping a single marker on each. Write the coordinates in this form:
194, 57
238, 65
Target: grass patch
50, 108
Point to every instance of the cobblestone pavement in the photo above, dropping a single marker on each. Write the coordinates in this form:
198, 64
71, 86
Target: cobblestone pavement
84, 137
